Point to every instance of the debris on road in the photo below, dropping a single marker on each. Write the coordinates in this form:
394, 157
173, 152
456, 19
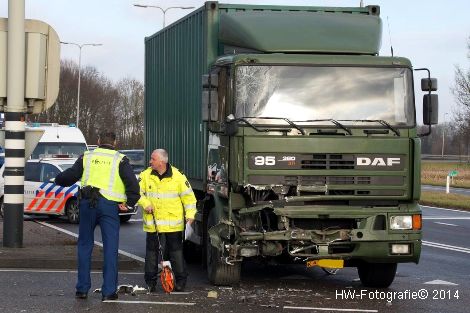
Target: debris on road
212, 294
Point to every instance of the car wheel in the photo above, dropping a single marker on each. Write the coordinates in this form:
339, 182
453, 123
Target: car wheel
124, 218
72, 212
377, 275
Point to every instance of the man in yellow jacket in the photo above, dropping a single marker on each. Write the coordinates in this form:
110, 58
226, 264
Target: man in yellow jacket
168, 202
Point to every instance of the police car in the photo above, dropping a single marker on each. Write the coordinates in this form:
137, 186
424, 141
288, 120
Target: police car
42, 196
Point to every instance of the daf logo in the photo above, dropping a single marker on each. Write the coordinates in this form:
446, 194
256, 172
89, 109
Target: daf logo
363, 161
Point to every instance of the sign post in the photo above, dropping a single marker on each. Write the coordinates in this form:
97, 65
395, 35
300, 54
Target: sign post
33, 85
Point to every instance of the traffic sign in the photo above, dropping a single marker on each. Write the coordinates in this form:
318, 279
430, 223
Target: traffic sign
42, 66
453, 173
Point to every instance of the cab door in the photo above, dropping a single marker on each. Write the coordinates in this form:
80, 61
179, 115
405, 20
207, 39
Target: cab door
31, 186
50, 191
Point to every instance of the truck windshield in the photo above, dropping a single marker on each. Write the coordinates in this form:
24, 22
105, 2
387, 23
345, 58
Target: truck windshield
302, 93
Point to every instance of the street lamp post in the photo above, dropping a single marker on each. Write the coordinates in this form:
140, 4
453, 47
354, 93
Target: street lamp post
161, 9
80, 46
443, 134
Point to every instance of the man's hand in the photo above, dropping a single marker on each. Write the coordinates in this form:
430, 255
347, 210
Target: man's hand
123, 207
149, 209
190, 220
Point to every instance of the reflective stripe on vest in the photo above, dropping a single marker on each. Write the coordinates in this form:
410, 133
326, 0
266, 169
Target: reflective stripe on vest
163, 223
187, 192
189, 206
159, 195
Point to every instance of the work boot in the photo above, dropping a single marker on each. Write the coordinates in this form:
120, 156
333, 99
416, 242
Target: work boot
113, 296
81, 295
151, 288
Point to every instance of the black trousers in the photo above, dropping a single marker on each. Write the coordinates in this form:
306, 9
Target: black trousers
172, 249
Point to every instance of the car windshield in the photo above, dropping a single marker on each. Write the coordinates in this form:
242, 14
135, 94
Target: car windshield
136, 159
303, 93
63, 167
72, 149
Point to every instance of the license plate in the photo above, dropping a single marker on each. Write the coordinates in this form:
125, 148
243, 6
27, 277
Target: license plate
327, 263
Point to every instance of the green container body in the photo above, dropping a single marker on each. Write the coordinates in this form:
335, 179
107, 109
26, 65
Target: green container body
177, 56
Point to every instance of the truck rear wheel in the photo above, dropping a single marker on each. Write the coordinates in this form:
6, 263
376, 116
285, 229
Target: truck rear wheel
377, 275
218, 272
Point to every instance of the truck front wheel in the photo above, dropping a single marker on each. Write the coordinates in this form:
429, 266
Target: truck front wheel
377, 275
218, 272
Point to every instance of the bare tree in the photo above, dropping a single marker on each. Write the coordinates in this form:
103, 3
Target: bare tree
130, 116
103, 105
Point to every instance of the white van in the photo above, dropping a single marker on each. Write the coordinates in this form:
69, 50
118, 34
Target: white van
57, 139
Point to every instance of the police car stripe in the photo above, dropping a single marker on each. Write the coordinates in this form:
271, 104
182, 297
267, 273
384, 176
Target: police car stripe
59, 190
62, 204
39, 193
53, 202
71, 189
43, 202
43, 185
50, 188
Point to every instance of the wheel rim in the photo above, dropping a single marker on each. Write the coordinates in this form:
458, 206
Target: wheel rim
72, 211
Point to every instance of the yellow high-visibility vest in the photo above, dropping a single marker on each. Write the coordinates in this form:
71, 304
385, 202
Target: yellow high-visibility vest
168, 197
101, 170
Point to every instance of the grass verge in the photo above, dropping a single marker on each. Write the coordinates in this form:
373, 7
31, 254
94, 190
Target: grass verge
435, 173
444, 200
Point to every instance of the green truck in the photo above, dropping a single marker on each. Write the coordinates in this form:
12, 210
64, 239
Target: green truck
299, 140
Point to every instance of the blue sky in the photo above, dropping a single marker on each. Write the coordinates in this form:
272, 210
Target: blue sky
430, 33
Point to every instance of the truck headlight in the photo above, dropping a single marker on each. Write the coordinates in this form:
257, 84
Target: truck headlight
413, 222
401, 222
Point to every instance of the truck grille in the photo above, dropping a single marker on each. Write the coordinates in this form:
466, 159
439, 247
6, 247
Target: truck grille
328, 162
310, 180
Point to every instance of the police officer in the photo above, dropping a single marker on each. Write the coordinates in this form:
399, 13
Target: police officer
108, 186
168, 201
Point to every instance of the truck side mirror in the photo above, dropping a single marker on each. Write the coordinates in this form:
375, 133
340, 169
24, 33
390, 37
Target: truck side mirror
210, 97
231, 125
428, 84
430, 109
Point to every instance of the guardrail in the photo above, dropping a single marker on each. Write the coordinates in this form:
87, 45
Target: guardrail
450, 158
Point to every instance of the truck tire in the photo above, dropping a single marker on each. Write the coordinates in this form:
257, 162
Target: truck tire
218, 272
377, 275
71, 210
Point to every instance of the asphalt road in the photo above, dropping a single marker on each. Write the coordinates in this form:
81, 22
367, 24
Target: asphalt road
442, 277
461, 191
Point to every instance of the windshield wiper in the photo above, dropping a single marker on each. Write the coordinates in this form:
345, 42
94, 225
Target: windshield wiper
244, 120
338, 124
382, 122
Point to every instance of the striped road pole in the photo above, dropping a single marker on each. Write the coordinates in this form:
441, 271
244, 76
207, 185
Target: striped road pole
15, 127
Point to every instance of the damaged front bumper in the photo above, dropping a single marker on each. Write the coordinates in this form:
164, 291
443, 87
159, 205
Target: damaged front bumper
318, 232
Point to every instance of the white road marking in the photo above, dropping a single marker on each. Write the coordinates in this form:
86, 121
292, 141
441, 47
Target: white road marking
447, 224
440, 282
150, 302
60, 271
446, 218
130, 255
445, 209
327, 309
446, 247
